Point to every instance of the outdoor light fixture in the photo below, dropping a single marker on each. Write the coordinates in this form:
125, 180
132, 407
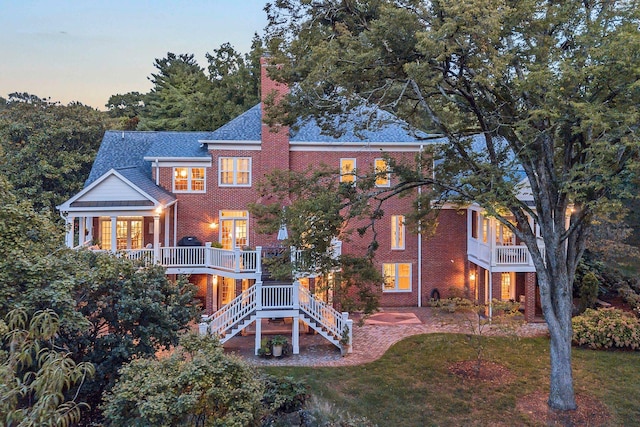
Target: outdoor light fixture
472, 276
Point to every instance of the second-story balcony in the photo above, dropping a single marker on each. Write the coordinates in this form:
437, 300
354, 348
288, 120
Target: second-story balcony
499, 257
199, 259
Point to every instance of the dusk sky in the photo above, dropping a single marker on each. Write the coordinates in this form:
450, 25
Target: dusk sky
88, 50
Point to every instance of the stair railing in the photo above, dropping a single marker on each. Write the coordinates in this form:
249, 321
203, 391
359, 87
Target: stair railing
328, 317
233, 313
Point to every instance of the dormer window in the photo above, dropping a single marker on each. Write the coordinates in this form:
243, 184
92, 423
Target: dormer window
188, 180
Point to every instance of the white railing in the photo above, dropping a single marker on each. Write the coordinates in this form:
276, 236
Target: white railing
233, 313
237, 261
278, 297
511, 255
331, 319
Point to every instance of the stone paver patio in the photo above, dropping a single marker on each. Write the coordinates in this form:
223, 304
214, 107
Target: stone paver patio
371, 339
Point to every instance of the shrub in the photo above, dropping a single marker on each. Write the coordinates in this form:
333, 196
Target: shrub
588, 291
283, 395
606, 328
197, 385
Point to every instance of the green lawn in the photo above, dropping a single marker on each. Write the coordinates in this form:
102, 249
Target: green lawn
411, 385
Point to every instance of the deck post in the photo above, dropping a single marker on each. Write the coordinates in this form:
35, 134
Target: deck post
295, 295
236, 259
258, 343
156, 238
295, 335
349, 324
258, 261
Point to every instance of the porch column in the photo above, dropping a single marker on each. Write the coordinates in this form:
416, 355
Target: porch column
295, 335
166, 229
69, 228
114, 234
81, 230
209, 295
89, 227
530, 297
156, 238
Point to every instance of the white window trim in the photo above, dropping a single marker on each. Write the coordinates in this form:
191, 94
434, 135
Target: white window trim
388, 184
353, 173
235, 172
189, 182
395, 279
401, 227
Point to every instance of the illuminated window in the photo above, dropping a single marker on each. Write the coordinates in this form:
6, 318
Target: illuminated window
505, 286
128, 233
397, 277
382, 173
235, 171
397, 231
188, 180
485, 230
347, 170
233, 229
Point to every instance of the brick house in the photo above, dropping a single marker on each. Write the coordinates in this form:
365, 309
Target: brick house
180, 199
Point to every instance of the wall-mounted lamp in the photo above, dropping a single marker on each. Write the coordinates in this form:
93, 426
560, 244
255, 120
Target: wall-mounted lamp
472, 276
159, 210
213, 225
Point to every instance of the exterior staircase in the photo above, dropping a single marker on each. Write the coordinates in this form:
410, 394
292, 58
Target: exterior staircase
278, 301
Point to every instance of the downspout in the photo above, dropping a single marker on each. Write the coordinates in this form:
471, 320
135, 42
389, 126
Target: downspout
420, 244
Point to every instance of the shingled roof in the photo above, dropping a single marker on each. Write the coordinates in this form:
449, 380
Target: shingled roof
129, 148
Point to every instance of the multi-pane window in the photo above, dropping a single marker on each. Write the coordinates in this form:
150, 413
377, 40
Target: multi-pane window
397, 277
382, 173
235, 171
505, 286
347, 170
397, 231
233, 229
128, 233
188, 179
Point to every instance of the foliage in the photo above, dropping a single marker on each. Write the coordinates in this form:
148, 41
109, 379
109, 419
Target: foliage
47, 149
133, 313
550, 89
588, 291
185, 97
31, 274
35, 374
283, 394
606, 328
197, 385
631, 297
279, 340
318, 213
127, 108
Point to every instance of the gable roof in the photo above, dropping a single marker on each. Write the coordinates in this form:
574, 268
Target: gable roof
125, 188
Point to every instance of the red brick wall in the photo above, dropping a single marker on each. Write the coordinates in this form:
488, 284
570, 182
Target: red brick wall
444, 256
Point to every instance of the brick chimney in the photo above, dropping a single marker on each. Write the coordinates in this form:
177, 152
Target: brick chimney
275, 140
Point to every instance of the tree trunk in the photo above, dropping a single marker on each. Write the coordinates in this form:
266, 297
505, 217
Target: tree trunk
561, 394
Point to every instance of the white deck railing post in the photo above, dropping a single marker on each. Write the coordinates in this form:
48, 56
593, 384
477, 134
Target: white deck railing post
295, 297
236, 258
258, 296
258, 265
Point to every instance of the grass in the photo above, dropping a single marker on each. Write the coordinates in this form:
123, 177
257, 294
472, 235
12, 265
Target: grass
411, 384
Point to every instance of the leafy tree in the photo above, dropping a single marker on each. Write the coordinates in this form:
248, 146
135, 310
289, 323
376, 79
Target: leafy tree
318, 210
235, 79
127, 108
31, 275
176, 102
47, 149
35, 374
132, 313
551, 88
185, 98
197, 385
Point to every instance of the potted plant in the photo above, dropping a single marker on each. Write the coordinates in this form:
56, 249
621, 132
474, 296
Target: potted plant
345, 342
277, 343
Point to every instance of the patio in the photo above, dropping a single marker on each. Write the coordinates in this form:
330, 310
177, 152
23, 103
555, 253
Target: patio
370, 340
